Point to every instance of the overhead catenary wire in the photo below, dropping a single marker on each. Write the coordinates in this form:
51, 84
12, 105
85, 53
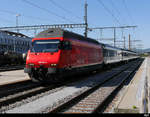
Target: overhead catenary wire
5, 20
64, 9
46, 10
128, 12
26, 16
117, 11
59, 6
109, 11
114, 6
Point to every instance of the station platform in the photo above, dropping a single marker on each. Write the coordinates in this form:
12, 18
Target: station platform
13, 77
135, 97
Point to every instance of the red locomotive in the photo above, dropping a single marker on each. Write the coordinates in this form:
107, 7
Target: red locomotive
56, 53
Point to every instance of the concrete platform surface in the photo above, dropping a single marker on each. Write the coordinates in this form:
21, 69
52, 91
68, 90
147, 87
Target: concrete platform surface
12, 77
132, 100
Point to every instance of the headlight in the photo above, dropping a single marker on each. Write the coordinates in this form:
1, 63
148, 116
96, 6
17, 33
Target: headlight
31, 64
53, 65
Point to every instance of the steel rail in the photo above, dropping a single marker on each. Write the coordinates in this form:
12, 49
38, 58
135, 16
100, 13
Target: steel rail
65, 107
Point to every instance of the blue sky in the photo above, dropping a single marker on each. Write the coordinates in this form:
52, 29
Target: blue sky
100, 13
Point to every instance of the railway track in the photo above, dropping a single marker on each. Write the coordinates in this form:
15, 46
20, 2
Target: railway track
10, 94
95, 99
20, 95
27, 93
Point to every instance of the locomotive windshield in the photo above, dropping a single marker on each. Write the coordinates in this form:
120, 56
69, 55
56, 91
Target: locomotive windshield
45, 45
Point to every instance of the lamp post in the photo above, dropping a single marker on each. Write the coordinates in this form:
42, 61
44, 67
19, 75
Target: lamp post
17, 15
17, 21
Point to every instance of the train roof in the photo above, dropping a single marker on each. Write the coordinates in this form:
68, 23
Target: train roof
129, 51
58, 32
111, 47
106, 46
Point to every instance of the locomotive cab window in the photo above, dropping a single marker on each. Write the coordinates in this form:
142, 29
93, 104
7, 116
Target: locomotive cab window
45, 45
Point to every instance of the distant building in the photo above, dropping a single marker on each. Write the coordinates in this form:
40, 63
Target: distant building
14, 42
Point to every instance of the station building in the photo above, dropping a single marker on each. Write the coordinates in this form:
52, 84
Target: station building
14, 42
